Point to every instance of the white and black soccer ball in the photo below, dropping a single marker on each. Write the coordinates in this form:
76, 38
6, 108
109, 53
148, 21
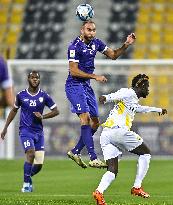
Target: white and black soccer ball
84, 12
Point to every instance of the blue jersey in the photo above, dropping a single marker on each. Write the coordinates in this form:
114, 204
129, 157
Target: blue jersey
29, 104
5, 82
84, 55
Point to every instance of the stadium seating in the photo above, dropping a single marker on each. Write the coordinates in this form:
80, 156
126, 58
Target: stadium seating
10, 24
122, 22
42, 29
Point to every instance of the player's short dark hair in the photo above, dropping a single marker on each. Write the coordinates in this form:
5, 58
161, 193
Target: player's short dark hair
33, 71
137, 80
88, 21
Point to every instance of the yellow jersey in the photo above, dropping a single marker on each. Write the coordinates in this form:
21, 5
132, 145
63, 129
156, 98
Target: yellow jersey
122, 115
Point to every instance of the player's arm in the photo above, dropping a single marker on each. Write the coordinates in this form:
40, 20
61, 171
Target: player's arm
146, 109
54, 112
10, 118
119, 95
114, 54
76, 72
7, 97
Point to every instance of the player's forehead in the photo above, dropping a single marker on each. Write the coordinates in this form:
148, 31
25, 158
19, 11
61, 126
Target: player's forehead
89, 25
33, 74
146, 83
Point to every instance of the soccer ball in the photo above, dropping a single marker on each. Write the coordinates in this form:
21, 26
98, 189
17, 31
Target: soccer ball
84, 12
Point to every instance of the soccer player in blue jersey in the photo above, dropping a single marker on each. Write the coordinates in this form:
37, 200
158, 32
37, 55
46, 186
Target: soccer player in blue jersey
81, 55
7, 96
32, 102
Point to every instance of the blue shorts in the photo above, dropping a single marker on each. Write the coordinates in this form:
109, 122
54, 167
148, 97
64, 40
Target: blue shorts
32, 140
82, 99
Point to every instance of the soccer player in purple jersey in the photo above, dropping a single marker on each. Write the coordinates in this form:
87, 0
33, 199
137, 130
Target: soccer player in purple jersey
32, 102
81, 55
7, 98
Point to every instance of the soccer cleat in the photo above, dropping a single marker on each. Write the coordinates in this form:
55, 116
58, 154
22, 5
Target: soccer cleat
97, 163
77, 159
99, 198
139, 192
26, 189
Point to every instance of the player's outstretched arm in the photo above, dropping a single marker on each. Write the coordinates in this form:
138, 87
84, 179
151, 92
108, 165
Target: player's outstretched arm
54, 112
76, 72
114, 54
164, 111
10, 118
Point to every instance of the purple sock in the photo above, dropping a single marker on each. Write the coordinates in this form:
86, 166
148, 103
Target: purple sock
88, 140
80, 145
27, 171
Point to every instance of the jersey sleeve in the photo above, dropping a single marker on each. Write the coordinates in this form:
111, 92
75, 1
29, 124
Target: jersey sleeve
102, 46
5, 81
17, 102
119, 95
49, 101
73, 53
145, 109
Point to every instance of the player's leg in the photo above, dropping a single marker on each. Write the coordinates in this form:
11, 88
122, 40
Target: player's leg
134, 144
94, 122
80, 145
39, 155
110, 154
97, 163
142, 169
28, 145
38, 162
78, 99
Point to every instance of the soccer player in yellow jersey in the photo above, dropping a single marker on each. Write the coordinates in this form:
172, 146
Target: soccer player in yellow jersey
116, 135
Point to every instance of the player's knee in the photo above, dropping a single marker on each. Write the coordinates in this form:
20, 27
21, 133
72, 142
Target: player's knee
39, 157
84, 119
30, 155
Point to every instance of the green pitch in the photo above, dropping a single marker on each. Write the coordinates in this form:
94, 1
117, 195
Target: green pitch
62, 182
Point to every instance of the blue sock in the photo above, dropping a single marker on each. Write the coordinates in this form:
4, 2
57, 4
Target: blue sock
80, 145
88, 140
27, 172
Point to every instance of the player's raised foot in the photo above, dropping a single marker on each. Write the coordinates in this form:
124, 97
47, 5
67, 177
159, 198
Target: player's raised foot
77, 159
26, 188
139, 192
99, 198
97, 163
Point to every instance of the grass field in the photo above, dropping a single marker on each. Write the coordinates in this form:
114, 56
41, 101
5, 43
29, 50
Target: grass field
62, 182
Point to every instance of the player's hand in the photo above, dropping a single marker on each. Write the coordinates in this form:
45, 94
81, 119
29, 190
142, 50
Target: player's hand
38, 115
3, 133
101, 78
164, 111
130, 39
102, 99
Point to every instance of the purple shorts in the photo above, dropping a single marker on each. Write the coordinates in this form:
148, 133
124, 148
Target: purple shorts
32, 140
82, 99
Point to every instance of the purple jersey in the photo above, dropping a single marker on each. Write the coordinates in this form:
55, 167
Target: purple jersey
5, 82
84, 55
29, 104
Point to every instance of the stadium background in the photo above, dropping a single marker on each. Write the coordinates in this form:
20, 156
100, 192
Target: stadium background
42, 29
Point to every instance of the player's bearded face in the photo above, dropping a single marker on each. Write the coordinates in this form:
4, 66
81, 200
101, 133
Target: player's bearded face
88, 31
34, 80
